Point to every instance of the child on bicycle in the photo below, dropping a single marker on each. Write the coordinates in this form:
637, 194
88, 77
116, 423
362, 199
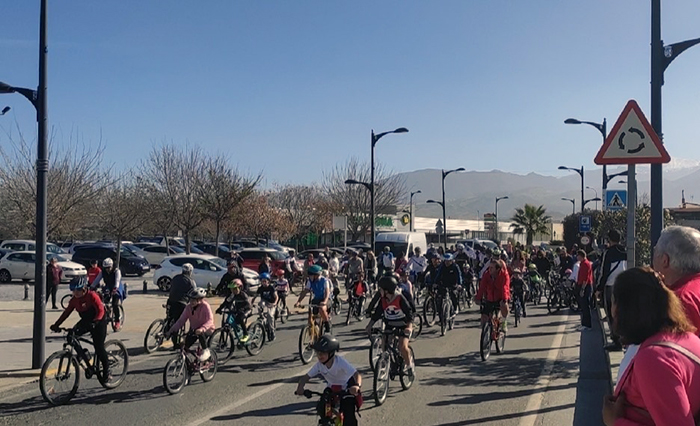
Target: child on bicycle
358, 290
268, 299
519, 288
340, 376
240, 306
198, 313
407, 289
92, 318
282, 288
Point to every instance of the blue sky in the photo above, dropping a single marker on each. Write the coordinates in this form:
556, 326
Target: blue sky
294, 87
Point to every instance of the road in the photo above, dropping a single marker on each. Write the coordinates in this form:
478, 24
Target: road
538, 380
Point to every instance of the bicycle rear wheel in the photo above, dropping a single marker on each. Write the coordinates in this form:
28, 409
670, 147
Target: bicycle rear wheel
553, 302
256, 339
223, 343
175, 375
118, 364
429, 311
208, 368
65, 299
417, 327
306, 339
381, 378
154, 336
485, 342
60, 378
444, 318
405, 379
375, 350
516, 312
501, 338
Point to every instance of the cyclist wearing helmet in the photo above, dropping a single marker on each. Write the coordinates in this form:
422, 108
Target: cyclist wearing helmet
268, 299
240, 306
533, 275
180, 287
233, 272
340, 376
92, 318
282, 288
386, 261
320, 290
448, 277
519, 289
113, 288
198, 313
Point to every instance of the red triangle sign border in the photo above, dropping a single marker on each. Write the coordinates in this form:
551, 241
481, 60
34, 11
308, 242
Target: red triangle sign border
632, 106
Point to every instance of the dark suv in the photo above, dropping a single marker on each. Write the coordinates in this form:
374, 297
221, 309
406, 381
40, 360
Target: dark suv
129, 262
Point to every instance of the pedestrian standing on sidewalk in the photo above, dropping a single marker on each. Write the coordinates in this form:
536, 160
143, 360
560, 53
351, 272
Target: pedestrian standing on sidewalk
584, 287
613, 264
53, 279
660, 386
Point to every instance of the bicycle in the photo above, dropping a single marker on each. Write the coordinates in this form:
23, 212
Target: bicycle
184, 365
430, 313
155, 334
109, 314
491, 331
354, 309
518, 308
65, 377
227, 338
417, 327
337, 305
282, 313
331, 407
309, 334
66, 299
447, 317
390, 364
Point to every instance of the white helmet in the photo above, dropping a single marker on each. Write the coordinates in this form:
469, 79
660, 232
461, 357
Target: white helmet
460, 246
107, 263
187, 268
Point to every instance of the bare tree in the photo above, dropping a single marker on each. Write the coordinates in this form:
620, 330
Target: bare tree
224, 189
76, 176
354, 200
255, 217
175, 176
297, 203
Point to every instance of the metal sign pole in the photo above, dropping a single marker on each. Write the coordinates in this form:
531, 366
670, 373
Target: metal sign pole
631, 209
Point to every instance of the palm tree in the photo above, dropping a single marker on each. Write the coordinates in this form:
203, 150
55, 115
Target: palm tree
530, 220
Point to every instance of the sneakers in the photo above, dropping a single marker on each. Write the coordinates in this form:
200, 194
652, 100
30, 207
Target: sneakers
613, 347
205, 355
584, 328
117, 326
244, 339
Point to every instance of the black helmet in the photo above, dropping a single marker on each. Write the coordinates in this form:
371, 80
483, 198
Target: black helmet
326, 343
388, 283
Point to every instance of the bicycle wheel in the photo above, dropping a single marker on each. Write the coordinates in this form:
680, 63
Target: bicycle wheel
60, 378
516, 312
485, 342
65, 299
118, 364
573, 303
337, 306
444, 318
256, 339
375, 350
122, 315
207, 370
417, 327
223, 343
501, 340
154, 336
175, 375
351, 309
282, 312
553, 302
404, 378
380, 384
429, 311
306, 339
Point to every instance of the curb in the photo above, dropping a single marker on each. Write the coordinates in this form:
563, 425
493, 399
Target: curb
605, 333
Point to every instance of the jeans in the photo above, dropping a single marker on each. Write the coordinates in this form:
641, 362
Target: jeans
607, 298
51, 291
584, 302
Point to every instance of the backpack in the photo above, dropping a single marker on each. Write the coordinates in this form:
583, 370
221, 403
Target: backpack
388, 260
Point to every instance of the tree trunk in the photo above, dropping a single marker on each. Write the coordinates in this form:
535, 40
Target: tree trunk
119, 252
187, 242
218, 228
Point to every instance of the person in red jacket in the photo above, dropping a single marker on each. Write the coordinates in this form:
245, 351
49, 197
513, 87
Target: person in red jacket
494, 290
93, 272
584, 287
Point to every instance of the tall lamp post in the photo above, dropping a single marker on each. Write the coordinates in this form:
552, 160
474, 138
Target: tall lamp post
661, 58
602, 128
596, 196
38, 99
375, 139
573, 204
496, 213
580, 172
444, 228
444, 214
410, 209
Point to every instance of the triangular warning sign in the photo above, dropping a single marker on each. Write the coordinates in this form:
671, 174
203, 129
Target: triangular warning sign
632, 140
616, 201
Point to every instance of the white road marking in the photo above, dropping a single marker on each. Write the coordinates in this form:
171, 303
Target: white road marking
535, 401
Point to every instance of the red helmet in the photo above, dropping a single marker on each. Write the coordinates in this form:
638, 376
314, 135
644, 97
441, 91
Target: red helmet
568, 272
279, 273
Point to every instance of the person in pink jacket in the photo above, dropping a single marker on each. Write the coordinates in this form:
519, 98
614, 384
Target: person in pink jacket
198, 313
661, 386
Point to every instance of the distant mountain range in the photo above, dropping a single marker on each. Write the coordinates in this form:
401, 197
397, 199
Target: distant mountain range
473, 193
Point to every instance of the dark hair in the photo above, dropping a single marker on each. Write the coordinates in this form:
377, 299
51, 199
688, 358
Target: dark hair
645, 306
614, 236
581, 253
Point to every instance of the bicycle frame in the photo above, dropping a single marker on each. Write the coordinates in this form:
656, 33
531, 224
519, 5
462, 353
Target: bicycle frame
73, 345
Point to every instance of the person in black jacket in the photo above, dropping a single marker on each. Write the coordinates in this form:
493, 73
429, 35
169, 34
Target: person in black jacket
233, 272
614, 262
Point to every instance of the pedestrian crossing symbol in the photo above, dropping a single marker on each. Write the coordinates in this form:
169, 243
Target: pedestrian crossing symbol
616, 200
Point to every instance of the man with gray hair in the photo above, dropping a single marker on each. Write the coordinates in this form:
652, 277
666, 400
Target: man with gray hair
677, 258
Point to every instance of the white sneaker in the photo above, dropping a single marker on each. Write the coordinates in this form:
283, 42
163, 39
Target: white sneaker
205, 355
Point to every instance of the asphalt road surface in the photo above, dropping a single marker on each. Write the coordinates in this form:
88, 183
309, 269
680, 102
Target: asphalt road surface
538, 380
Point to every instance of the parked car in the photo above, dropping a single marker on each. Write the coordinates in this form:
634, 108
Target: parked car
243, 244
155, 254
29, 245
3, 252
20, 265
129, 263
142, 245
172, 241
208, 248
253, 256
207, 269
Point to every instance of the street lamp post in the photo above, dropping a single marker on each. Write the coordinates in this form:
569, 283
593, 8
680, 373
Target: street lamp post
444, 228
496, 213
410, 209
38, 99
661, 58
444, 214
596, 199
596, 196
602, 128
573, 204
580, 172
375, 139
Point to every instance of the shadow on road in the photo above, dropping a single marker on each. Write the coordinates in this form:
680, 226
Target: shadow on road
503, 417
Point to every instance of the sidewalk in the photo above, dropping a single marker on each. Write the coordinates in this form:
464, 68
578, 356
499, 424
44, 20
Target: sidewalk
613, 358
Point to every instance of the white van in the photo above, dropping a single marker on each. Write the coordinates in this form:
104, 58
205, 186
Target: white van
400, 242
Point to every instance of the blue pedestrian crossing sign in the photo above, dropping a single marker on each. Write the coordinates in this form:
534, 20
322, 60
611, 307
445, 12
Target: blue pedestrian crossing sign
584, 224
615, 199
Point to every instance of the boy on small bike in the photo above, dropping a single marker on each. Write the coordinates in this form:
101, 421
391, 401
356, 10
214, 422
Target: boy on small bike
198, 313
340, 376
282, 289
268, 299
240, 306
519, 289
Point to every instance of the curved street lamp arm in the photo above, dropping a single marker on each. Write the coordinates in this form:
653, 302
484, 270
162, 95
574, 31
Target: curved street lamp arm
672, 51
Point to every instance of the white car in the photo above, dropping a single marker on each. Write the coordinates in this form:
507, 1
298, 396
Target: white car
19, 265
156, 254
207, 269
30, 245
